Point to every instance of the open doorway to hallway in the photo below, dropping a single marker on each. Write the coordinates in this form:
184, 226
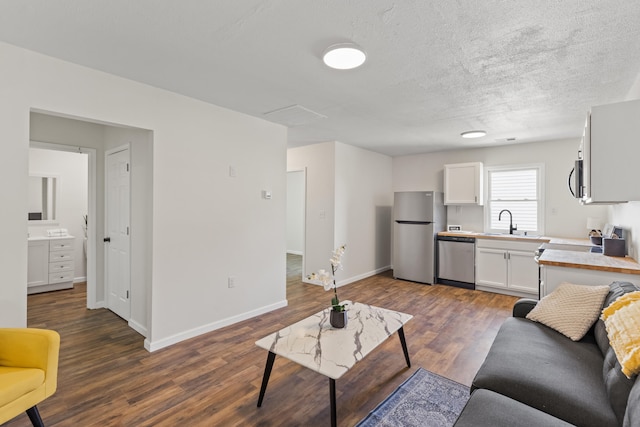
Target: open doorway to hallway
63, 133
296, 200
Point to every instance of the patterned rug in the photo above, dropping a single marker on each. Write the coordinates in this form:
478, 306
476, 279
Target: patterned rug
425, 399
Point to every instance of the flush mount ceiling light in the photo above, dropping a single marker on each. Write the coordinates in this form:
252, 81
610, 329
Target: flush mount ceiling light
344, 56
473, 134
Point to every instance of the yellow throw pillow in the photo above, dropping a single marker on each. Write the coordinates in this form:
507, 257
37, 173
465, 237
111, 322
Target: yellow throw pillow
570, 309
622, 321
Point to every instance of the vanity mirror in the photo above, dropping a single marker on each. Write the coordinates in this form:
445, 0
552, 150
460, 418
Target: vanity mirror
43, 192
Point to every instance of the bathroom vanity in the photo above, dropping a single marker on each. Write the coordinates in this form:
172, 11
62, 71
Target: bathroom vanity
51, 264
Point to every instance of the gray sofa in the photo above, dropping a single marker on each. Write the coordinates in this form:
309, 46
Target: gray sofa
535, 376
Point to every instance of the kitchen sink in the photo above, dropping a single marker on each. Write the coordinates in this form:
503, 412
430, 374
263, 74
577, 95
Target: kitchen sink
519, 236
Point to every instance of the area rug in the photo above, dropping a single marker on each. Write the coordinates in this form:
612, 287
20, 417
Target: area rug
425, 399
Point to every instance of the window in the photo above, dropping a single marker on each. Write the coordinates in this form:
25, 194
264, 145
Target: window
518, 189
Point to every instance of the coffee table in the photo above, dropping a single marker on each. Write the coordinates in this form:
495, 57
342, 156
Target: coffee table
315, 344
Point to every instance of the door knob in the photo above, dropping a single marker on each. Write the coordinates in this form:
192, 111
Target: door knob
107, 239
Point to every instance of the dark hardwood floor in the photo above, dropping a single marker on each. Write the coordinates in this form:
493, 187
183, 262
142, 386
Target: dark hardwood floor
106, 378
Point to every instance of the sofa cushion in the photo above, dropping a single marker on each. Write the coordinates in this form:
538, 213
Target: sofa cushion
540, 367
16, 382
616, 383
570, 309
618, 386
486, 408
622, 321
632, 416
616, 290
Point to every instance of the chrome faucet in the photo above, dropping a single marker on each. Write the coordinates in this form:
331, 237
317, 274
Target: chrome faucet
512, 227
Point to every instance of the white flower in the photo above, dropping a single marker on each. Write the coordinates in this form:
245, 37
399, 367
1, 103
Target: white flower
323, 277
327, 279
336, 258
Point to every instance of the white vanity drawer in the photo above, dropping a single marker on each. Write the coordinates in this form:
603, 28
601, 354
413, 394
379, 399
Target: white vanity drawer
56, 267
60, 256
64, 276
61, 244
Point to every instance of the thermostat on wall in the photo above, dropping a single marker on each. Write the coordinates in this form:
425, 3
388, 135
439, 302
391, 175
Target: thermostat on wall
454, 227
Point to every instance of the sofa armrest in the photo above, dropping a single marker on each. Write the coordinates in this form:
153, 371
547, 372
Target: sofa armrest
523, 306
32, 348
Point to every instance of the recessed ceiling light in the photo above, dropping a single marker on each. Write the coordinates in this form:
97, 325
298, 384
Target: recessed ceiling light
344, 56
473, 134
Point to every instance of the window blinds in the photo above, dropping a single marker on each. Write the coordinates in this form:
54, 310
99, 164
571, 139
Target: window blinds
517, 191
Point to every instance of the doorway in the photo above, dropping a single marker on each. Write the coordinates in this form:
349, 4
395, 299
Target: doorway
96, 138
67, 213
296, 202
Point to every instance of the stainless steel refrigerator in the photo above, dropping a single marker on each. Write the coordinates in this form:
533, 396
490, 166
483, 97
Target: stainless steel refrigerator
418, 217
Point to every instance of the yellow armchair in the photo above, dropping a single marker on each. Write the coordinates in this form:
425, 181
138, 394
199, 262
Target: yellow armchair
28, 371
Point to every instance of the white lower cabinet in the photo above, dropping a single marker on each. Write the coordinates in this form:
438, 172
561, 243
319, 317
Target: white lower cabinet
51, 264
551, 276
38, 261
507, 267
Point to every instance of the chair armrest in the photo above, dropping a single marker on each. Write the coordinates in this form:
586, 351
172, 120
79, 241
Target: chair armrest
32, 348
523, 306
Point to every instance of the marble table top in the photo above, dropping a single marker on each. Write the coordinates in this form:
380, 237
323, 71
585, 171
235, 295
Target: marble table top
315, 344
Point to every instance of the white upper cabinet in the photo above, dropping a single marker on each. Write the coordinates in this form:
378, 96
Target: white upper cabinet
463, 184
610, 151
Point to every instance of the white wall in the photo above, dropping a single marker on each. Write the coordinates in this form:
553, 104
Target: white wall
206, 227
295, 212
364, 200
349, 201
72, 172
564, 216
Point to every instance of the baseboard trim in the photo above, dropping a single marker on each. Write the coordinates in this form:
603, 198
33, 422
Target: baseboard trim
142, 330
152, 346
362, 276
354, 278
98, 304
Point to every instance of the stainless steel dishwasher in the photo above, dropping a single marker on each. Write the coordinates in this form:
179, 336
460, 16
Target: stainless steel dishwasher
457, 261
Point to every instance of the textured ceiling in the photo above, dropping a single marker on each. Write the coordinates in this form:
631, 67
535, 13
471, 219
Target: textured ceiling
518, 69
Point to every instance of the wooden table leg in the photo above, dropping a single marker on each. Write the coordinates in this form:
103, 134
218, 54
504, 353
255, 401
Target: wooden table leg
332, 397
404, 345
265, 378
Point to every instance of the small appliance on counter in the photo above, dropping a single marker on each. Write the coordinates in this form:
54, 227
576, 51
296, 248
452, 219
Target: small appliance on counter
610, 241
595, 235
614, 243
614, 247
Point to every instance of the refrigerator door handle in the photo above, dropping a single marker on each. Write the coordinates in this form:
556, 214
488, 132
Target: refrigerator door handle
413, 222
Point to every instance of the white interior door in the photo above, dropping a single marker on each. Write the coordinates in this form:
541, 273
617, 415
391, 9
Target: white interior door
117, 251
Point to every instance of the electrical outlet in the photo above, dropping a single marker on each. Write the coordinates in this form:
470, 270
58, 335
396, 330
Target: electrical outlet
231, 282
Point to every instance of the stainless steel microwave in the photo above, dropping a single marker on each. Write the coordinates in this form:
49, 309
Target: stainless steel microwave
576, 180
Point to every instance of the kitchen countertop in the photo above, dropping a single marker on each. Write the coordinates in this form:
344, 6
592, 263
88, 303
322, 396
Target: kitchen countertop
510, 237
589, 261
565, 258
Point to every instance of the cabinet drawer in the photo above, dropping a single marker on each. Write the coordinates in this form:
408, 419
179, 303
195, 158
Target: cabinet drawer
61, 244
56, 267
64, 276
60, 256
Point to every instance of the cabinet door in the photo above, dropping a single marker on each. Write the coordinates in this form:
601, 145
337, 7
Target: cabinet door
491, 267
523, 272
38, 263
463, 184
